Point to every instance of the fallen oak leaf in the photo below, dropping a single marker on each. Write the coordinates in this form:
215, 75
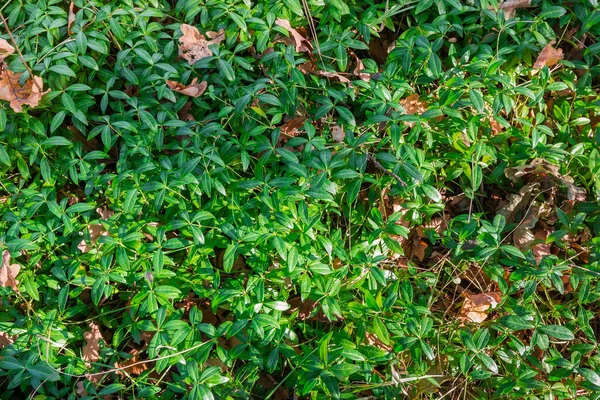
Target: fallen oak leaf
194, 89
91, 350
413, 105
548, 57
193, 46
5, 49
9, 272
509, 7
96, 230
301, 43
30, 93
475, 306
293, 126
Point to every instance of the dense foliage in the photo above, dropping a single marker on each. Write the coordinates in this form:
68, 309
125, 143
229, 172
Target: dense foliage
392, 202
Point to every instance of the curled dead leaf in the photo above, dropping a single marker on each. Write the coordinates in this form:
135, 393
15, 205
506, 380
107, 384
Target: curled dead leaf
30, 93
193, 46
5, 49
359, 67
475, 306
71, 18
91, 350
9, 272
549, 56
194, 89
301, 43
509, 7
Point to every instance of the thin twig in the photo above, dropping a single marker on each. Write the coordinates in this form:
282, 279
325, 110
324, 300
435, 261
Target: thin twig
384, 170
12, 38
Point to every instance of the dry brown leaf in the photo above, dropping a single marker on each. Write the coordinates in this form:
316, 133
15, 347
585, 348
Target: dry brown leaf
91, 350
337, 133
193, 46
216, 37
293, 126
193, 90
11, 90
96, 230
549, 56
475, 307
6, 339
133, 366
307, 68
333, 75
5, 49
359, 67
439, 225
412, 104
71, 19
9, 272
301, 43
509, 7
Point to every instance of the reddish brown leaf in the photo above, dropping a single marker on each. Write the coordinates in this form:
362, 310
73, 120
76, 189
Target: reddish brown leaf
11, 90
293, 126
193, 46
475, 307
549, 56
6, 339
9, 272
300, 42
193, 90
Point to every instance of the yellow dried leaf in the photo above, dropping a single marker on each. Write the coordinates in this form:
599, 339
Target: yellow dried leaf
300, 42
11, 90
549, 56
194, 89
193, 46
8, 272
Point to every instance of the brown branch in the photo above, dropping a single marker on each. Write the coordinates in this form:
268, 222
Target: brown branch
384, 170
12, 38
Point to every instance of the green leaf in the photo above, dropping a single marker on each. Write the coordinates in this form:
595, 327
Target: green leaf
477, 99
56, 141
557, 331
589, 375
515, 323
63, 70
